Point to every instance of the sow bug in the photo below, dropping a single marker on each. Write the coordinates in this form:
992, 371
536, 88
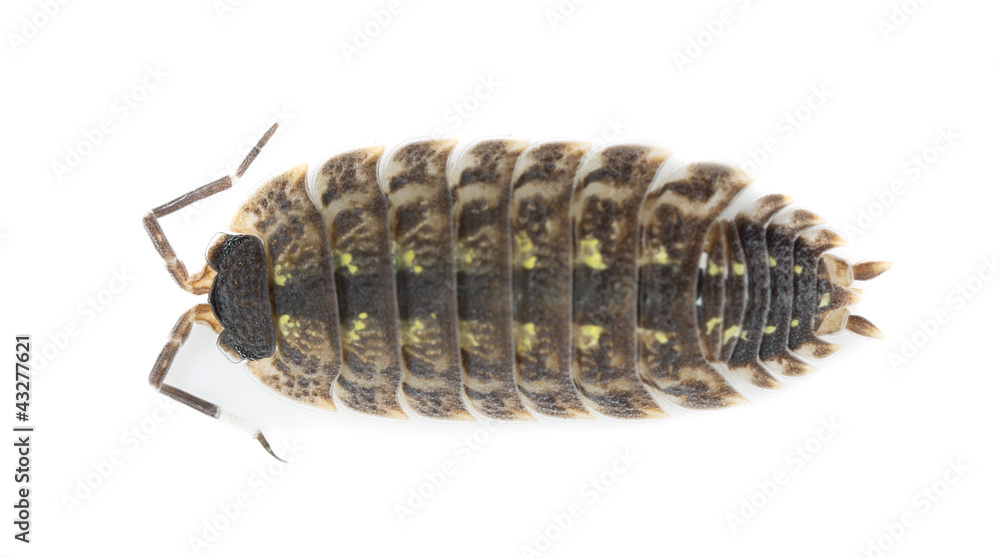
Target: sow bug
512, 280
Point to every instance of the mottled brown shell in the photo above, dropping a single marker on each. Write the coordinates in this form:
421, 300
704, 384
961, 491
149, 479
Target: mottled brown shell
510, 280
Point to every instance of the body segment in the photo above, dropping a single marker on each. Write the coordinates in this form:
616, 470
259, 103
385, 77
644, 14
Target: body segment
609, 191
307, 358
355, 212
542, 263
416, 184
481, 186
676, 218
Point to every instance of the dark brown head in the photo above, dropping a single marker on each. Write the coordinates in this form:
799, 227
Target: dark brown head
239, 296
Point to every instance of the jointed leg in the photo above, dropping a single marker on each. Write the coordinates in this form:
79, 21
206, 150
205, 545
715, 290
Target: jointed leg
200, 283
199, 313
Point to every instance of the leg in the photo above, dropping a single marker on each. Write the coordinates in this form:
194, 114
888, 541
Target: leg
200, 283
199, 313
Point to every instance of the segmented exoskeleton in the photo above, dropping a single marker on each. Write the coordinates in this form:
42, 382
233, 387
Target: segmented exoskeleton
510, 280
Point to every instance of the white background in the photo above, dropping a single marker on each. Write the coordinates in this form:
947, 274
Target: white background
611, 68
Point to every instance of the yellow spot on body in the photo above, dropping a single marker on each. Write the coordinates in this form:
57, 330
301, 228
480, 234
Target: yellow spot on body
465, 253
345, 259
745, 335
287, 327
530, 262
773, 262
661, 257
281, 278
732, 332
710, 325
408, 258
413, 330
769, 330
525, 338
798, 270
469, 340
590, 336
356, 326
824, 300
652, 338
590, 254
524, 243
739, 269
795, 323
466, 334
713, 269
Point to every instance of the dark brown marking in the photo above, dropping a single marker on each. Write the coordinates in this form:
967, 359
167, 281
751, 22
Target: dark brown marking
781, 235
420, 224
542, 274
863, 327
308, 355
736, 291
240, 298
751, 223
674, 231
356, 216
712, 293
866, 271
481, 190
802, 340
610, 188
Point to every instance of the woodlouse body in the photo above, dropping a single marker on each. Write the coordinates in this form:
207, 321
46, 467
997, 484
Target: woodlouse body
511, 280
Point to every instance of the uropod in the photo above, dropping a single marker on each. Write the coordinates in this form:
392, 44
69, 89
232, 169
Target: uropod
510, 280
